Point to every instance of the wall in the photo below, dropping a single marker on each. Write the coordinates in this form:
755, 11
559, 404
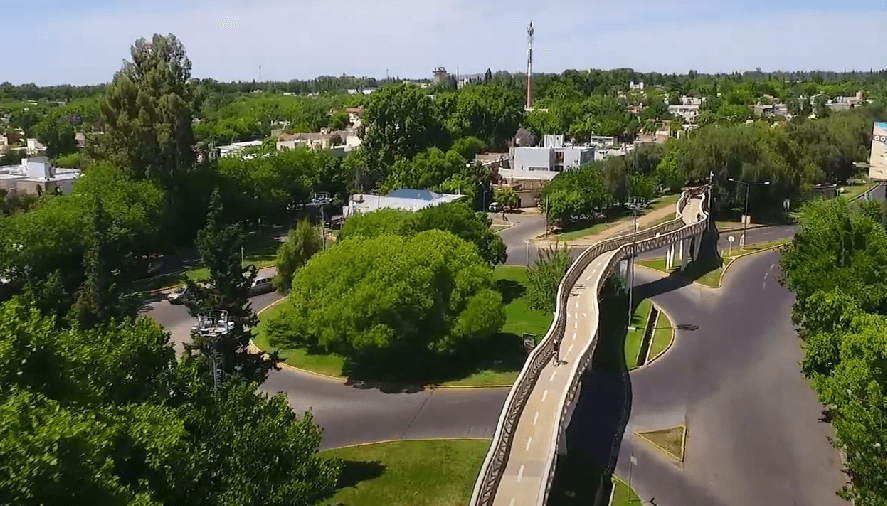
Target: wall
528, 159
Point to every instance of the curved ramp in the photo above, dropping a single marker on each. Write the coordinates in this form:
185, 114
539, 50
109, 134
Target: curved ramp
519, 467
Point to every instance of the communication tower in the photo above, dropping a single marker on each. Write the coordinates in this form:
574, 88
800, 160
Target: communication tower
213, 326
530, 32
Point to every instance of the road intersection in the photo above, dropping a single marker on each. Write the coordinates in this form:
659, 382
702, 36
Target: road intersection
754, 435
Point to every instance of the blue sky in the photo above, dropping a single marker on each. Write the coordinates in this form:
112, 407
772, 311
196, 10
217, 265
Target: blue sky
85, 42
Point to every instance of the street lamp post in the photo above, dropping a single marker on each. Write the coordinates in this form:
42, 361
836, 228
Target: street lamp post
745, 214
527, 242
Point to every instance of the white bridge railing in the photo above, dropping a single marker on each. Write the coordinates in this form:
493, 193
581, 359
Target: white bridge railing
625, 246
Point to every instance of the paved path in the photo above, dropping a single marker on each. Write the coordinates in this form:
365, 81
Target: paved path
539, 422
537, 425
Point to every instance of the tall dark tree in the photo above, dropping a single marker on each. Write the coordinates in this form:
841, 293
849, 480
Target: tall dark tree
228, 289
147, 112
57, 134
98, 298
488, 76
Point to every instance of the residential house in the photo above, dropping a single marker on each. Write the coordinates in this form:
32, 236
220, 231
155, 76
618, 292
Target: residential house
80, 139
4, 145
688, 109
547, 161
34, 176
406, 199
635, 86
237, 148
35, 147
325, 139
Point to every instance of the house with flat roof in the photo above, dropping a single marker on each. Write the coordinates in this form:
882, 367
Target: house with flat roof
546, 161
33, 176
325, 139
237, 148
406, 199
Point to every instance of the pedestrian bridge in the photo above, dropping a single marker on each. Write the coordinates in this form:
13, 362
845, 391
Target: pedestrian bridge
519, 466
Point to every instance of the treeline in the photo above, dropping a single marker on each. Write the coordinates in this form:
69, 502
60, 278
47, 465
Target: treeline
836, 265
793, 158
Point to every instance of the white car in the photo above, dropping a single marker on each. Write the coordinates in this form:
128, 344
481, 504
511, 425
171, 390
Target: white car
179, 295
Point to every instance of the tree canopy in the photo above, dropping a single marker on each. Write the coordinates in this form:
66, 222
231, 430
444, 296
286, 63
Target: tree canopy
455, 217
402, 304
108, 416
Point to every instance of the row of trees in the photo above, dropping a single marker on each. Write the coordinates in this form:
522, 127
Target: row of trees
836, 266
793, 158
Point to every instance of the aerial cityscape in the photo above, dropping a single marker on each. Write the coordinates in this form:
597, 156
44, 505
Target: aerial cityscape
536, 272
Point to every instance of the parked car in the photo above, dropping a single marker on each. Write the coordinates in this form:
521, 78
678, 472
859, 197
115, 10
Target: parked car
262, 284
179, 295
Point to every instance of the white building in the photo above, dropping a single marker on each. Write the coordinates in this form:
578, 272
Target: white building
408, 200
237, 148
603, 154
547, 161
36, 175
35, 147
635, 86
325, 139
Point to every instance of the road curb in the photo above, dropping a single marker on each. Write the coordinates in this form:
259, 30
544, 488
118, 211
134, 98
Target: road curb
343, 380
670, 343
385, 441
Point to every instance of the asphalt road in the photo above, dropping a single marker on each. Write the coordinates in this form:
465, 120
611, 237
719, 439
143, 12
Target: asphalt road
754, 435
526, 227
351, 414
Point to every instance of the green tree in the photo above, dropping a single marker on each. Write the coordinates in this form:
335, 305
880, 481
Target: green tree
302, 242
507, 198
147, 112
545, 276
491, 113
228, 289
456, 217
109, 416
426, 170
400, 122
575, 194
57, 134
847, 244
404, 303
99, 299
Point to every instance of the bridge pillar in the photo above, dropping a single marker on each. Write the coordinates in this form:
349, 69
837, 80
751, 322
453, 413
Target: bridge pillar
623, 268
562, 440
680, 245
669, 256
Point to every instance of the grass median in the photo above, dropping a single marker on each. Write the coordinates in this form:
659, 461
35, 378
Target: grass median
497, 366
580, 230
408, 473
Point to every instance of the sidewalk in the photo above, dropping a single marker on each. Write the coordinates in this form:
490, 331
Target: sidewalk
618, 228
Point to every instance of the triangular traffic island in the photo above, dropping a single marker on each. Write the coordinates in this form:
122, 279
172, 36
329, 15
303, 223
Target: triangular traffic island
672, 441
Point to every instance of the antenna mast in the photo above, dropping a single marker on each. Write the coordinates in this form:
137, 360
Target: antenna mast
530, 32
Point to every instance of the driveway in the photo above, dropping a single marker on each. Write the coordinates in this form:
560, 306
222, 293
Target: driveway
754, 435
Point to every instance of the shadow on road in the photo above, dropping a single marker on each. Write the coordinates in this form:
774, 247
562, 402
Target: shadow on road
596, 429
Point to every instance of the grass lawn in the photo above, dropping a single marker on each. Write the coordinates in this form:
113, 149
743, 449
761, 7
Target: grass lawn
664, 201
854, 190
662, 335
408, 473
634, 338
496, 365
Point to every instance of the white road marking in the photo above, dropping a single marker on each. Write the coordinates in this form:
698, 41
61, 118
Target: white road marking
512, 502
576, 324
585, 315
544, 393
552, 375
574, 335
520, 473
535, 417
528, 443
